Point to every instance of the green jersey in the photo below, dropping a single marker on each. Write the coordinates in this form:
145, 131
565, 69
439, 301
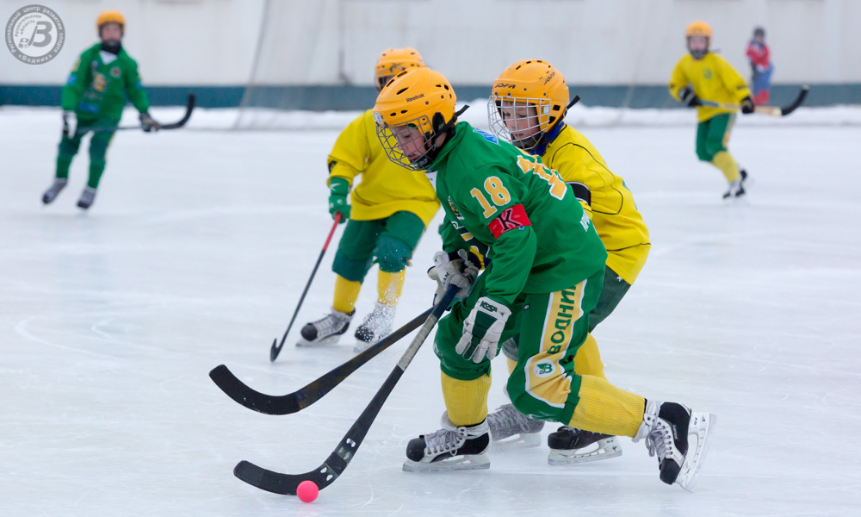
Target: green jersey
98, 85
539, 238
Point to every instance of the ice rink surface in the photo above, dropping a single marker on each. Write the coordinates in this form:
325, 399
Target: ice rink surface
198, 247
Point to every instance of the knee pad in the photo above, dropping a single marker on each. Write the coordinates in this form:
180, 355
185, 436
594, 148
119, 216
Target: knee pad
392, 254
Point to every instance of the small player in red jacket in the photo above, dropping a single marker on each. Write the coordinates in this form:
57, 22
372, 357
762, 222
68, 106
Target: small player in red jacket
760, 63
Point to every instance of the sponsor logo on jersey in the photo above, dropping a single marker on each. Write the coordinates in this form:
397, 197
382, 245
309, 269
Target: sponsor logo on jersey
99, 82
416, 97
487, 136
115, 72
563, 319
454, 209
707, 73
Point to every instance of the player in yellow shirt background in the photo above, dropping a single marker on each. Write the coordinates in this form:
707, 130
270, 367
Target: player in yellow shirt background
701, 74
527, 107
387, 214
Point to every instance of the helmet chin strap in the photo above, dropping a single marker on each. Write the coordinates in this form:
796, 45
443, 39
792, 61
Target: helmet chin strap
425, 160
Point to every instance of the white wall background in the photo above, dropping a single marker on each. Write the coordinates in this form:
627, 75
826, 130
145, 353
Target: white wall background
213, 42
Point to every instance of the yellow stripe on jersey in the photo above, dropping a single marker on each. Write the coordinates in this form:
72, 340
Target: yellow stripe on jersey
543, 381
613, 212
385, 188
712, 78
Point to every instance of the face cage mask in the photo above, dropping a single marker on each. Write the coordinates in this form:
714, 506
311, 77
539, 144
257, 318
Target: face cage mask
500, 129
390, 145
699, 54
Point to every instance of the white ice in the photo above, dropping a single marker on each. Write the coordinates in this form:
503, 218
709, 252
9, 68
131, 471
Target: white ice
198, 247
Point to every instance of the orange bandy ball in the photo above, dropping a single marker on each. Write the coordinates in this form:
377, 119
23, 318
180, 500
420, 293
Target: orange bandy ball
307, 491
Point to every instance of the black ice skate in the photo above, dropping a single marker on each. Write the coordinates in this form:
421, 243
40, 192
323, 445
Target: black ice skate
88, 196
679, 437
450, 448
51, 194
325, 330
377, 325
511, 428
569, 445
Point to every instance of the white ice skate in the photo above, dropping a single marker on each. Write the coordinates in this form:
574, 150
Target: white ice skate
377, 325
450, 448
569, 446
88, 196
54, 190
509, 428
326, 330
680, 438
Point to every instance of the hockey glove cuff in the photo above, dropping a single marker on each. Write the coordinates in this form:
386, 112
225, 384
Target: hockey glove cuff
453, 269
70, 124
148, 123
688, 97
338, 190
482, 330
747, 106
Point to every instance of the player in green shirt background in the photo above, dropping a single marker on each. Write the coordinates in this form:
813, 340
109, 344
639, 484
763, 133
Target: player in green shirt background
544, 276
93, 98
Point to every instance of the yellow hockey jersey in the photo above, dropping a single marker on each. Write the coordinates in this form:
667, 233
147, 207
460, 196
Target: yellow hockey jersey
613, 211
712, 78
385, 188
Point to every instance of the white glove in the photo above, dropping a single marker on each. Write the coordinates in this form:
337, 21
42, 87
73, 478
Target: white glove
460, 272
70, 123
482, 330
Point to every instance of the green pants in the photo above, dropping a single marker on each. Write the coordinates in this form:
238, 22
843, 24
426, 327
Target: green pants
391, 240
613, 290
98, 149
713, 135
551, 326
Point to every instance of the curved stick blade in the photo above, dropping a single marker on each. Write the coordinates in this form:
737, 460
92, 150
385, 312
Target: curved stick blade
274, 351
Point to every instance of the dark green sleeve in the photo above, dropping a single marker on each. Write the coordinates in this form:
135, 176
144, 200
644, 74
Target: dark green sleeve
79, 78
137, 95
513, 250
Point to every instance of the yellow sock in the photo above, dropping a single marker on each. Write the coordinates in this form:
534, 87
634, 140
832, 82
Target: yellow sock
389, 287
588, 359
725, 162
466, 401
346, 294
604, 408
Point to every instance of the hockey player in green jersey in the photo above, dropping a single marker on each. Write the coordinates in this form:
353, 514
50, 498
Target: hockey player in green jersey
544, 277
93, 99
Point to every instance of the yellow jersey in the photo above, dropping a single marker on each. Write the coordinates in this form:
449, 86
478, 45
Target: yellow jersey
385, 188
612, 209
713, 79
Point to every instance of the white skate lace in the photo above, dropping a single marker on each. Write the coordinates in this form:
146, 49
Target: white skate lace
445, 440
328, 322
660, 440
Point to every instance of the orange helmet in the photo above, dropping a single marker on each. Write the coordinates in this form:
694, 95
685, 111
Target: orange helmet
535, 97
418, 98
111, 17
699, 28
395, 60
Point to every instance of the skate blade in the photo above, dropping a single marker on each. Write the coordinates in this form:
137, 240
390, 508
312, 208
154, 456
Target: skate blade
606, 449
702, 425
361, 346
331, 340
518, 441
468, 462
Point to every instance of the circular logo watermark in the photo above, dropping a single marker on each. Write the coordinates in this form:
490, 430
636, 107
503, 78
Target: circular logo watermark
35, 34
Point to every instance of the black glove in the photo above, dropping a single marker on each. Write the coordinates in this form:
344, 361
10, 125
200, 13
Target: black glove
689, 98
148, 123
747, 106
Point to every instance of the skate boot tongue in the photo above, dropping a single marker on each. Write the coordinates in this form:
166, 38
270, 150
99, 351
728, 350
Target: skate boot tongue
445, 440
